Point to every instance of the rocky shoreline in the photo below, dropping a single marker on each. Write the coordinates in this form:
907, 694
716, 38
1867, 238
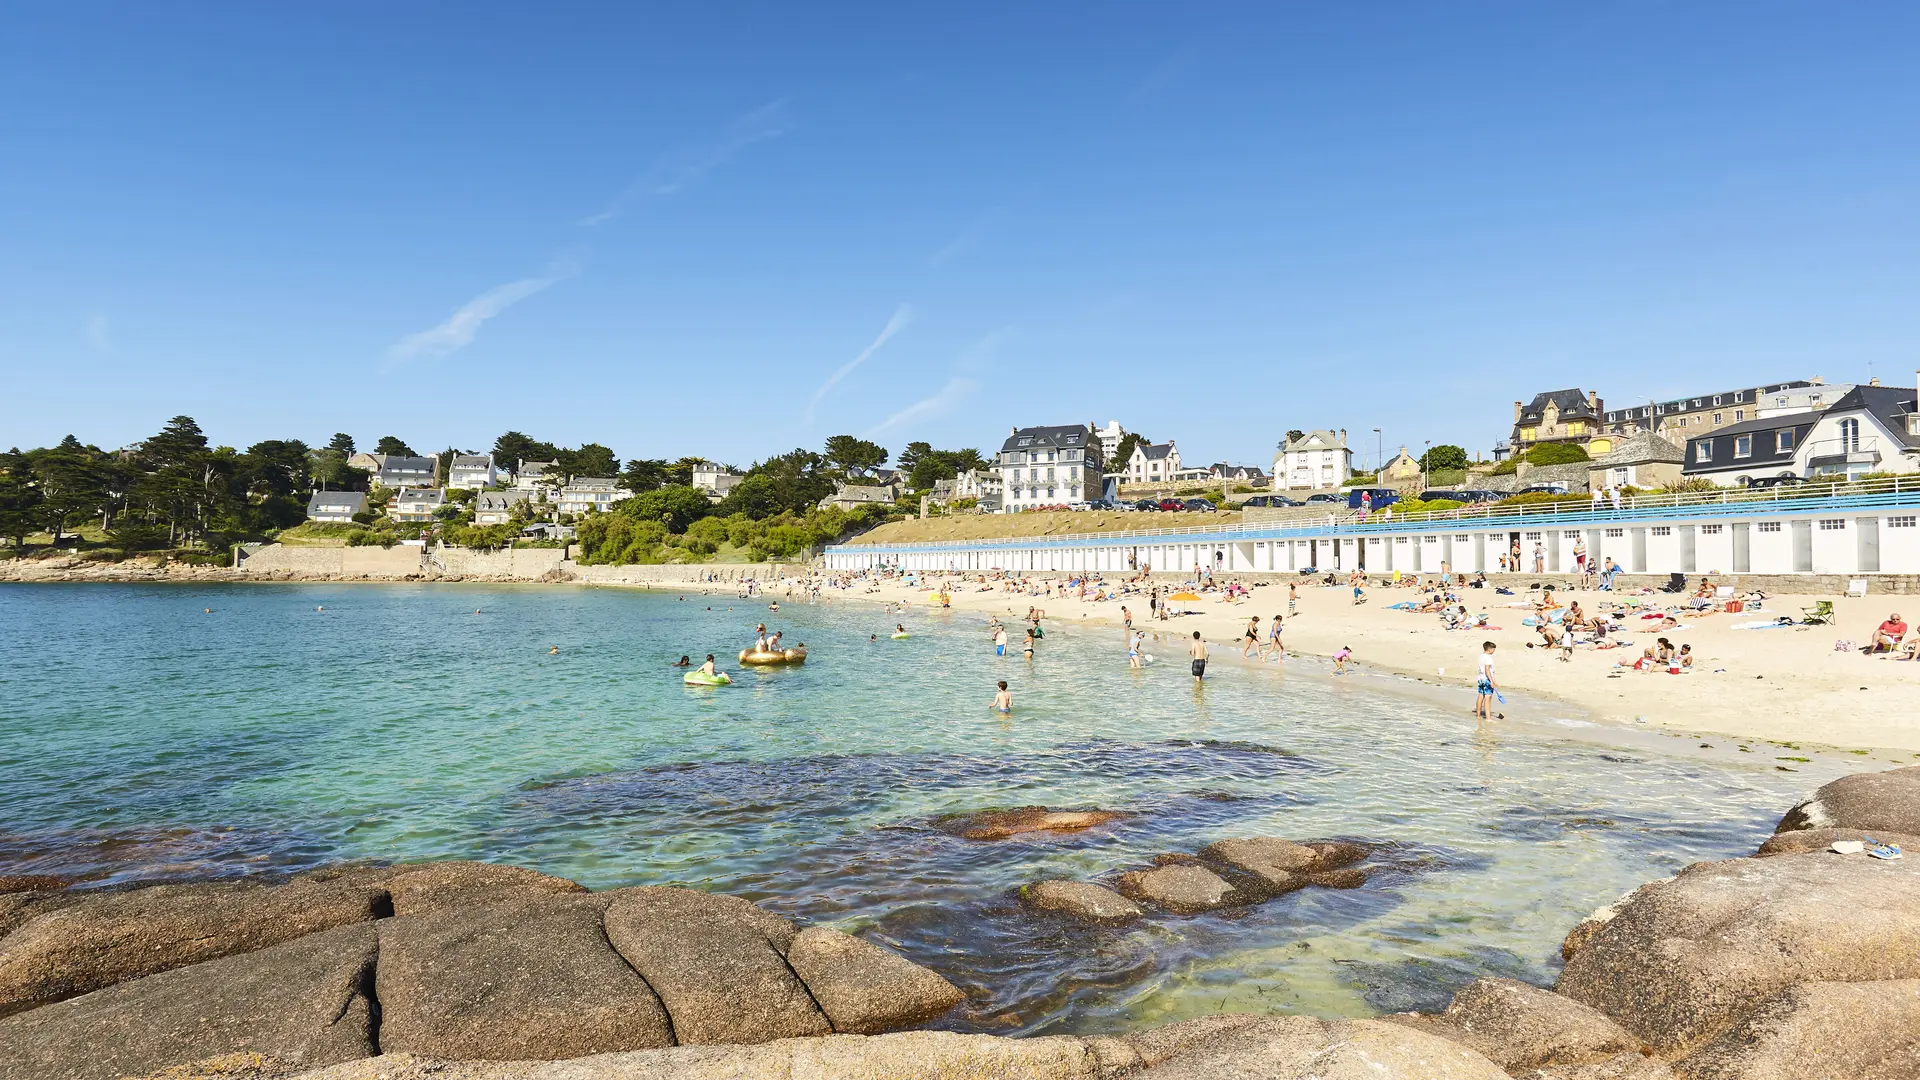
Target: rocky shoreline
1794, 964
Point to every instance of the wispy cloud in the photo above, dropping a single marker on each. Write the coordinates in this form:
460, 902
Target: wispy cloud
902, 315
688, 163
460, 327
980, 354
97, 333
958, 389
961, 244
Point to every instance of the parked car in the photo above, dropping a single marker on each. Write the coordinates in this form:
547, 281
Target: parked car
1100, 504
1444, 493
1764, 482
1480, 495
1147, 504
1325, 497
1269, 500
1552, 487
1377, 497
1201, 505
1172, 504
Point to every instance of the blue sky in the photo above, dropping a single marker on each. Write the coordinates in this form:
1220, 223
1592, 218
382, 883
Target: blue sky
730, 230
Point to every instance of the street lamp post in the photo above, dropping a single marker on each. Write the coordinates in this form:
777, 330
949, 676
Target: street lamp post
1377, 462
1426, 464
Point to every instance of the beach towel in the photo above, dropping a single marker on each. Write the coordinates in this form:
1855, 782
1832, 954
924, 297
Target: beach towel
1765, 624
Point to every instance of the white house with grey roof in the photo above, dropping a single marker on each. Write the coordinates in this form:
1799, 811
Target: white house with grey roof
474, 472
1315, 460
590, 494
1151, 463
496, 507
399, 470
335, 506
415, 504
1046, 466
532, 475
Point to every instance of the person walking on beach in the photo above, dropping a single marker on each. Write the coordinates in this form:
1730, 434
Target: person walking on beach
1273, 641
1198, 650
1293, 597
1483, 705
1126, 616
1253, 638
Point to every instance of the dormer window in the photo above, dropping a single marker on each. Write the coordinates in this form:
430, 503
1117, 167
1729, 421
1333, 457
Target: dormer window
1025, 440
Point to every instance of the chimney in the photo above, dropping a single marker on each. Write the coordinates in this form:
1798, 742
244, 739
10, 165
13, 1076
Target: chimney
1875, 381
1594, 397
1516, 412
1818, 381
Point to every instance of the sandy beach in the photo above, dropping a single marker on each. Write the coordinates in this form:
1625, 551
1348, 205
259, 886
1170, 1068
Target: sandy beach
1786, 686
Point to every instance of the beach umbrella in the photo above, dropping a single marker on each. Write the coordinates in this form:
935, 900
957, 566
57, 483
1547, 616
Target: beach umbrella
1183, 596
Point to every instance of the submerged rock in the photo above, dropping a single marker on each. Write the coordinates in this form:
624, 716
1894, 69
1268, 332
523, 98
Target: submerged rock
19, 883
1682, 960
1182, 890
302, 1001
1001, 824
1519, 1026
864, 989
517, 979
1350, 878
1275, 865
1081, 899
1888, 801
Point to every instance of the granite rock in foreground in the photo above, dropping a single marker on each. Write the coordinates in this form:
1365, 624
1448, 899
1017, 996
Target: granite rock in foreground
447, 961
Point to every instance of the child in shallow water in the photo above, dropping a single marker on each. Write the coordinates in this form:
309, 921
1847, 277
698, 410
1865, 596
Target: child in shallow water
1340, 660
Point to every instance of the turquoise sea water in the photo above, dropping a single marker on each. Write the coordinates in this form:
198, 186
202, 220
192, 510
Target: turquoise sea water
144, 738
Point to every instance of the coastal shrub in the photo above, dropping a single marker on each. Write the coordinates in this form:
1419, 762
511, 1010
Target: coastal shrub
1422, 506
1540, 498
1689, 484
1556, 453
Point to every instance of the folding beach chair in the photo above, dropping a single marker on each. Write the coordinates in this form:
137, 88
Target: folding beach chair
1857, 587
1821, 613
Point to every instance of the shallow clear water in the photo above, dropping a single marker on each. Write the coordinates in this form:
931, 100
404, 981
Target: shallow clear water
143, 738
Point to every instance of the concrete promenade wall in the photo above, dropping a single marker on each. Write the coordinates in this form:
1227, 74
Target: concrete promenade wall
282, 562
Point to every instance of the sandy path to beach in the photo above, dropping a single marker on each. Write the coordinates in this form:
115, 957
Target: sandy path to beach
1787, 686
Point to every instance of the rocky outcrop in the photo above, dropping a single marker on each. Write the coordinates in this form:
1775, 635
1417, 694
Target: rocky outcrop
1182, 890
449, 961
864, 989
718, 963
1274, 865
1303, 1048
1819, 1031
513, 979
1519, 1026
1080, 899
1001, 824
100, 940
305, 1001
1886, 801
19, 883
1789, 843
1682, 960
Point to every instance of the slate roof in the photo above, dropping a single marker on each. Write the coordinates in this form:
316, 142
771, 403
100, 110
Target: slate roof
1314, 440
1891, 405
1572, 403
498, 501
336, 502
472, 461
1075, 436
1154, 452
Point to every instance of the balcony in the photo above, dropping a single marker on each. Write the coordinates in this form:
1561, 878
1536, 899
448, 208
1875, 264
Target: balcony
1842, 455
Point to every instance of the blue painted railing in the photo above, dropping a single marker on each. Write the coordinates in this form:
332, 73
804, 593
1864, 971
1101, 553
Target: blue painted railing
1898, 492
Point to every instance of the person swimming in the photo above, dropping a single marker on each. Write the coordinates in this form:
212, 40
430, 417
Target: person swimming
553, 650
684, 661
